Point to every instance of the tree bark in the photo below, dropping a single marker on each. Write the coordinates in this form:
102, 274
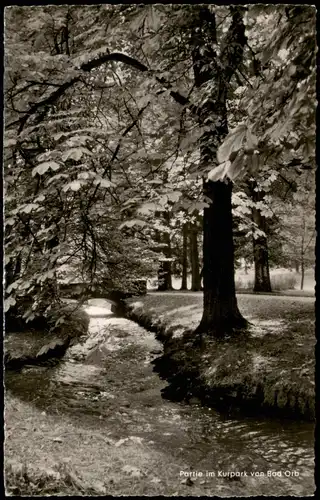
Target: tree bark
262, 281
164, 276
194, 258
184, 284
220, 310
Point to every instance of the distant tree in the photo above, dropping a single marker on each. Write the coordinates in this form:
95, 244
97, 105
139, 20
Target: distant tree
297, 227
184, 282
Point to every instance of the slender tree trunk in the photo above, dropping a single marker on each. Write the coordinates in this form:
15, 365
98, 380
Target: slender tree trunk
13, 267
51, 289
194, 258
302, 272
184, 284
201, 279
12, 271
158, 248
18, 266
262, 282
201, 273
220, 310
245, 266
9, 273
302, 252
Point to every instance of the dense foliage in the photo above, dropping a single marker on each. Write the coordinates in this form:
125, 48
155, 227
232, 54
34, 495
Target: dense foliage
106, 117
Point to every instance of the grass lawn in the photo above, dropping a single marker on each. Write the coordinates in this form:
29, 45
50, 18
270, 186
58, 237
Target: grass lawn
273, 363
281, 279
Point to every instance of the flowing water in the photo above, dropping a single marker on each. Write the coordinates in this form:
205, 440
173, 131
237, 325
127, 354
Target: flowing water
108, 381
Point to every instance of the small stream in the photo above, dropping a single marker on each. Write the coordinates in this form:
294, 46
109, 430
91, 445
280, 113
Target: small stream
108, 381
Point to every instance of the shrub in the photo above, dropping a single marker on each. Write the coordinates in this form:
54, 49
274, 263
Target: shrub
244, 282
152, 283
279, 281
23, 479
283, 281
68, 319
64, 319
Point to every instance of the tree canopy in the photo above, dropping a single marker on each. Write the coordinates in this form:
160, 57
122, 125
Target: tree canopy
112, 118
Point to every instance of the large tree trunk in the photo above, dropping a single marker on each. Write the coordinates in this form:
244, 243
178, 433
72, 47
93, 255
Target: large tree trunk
194, 258
220, 311
262, 282
184, 284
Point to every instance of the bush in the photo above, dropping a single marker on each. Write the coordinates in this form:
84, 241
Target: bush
244, 282
68, 319
152, 283
284, 280
62, 317
23, 479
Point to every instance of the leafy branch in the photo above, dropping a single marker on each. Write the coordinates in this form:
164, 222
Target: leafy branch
87, 67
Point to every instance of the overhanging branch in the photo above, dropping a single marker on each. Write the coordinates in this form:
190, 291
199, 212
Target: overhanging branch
87, 67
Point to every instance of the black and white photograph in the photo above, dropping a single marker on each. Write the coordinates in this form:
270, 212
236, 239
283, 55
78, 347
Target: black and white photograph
159, 172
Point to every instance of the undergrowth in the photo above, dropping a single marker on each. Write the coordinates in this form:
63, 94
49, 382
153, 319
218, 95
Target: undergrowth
23, 480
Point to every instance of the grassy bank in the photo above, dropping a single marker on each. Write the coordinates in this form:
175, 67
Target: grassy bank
50, 455
269, 366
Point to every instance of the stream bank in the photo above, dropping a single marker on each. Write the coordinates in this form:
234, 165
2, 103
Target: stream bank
269, 367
